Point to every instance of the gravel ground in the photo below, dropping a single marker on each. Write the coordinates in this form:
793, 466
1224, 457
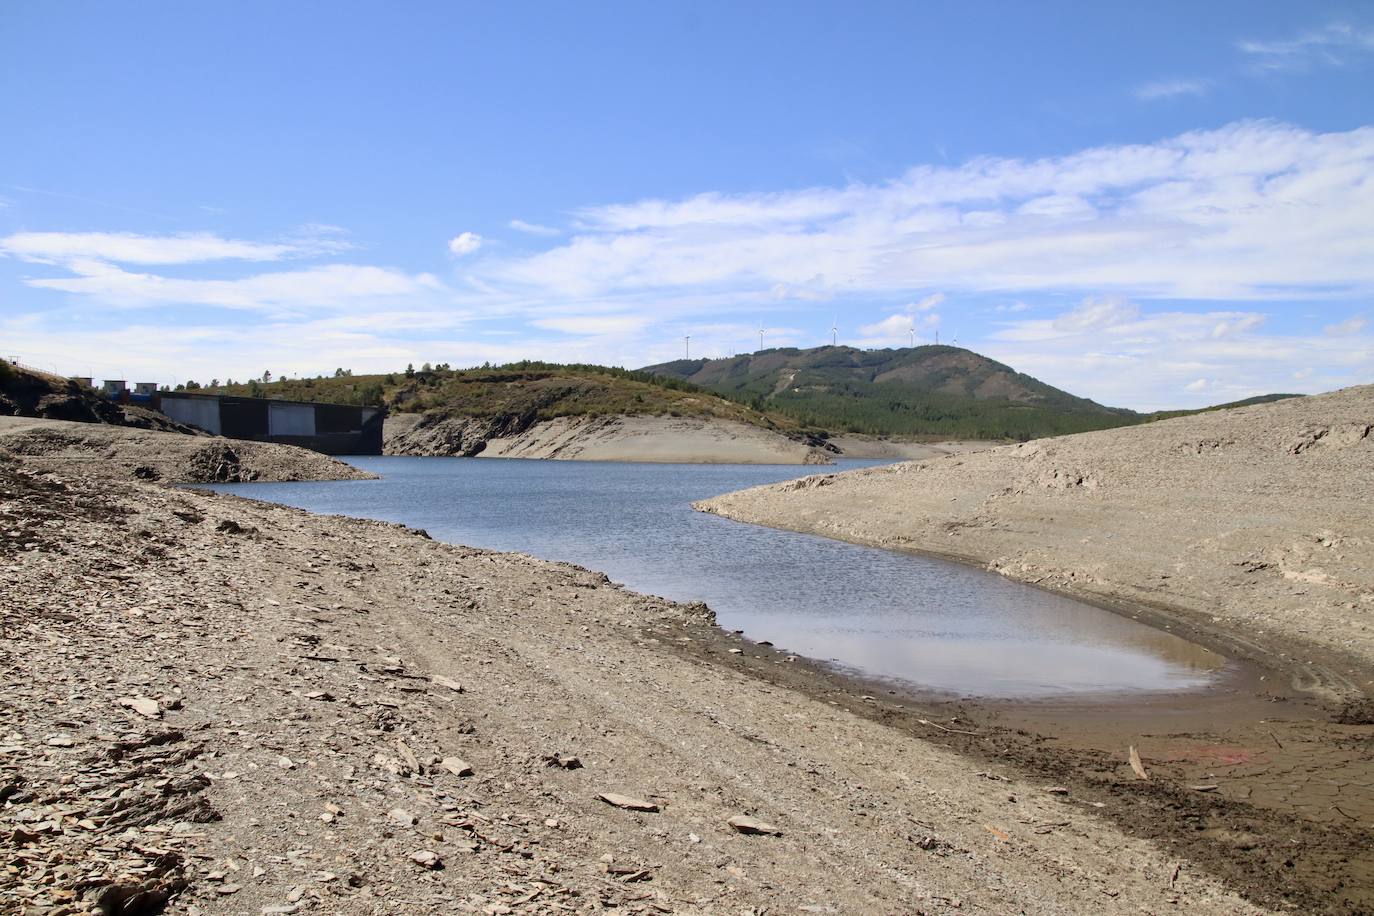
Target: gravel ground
1252, 527
146, 454
244, 708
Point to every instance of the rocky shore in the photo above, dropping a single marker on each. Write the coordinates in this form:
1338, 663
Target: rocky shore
218, 706
1251, 527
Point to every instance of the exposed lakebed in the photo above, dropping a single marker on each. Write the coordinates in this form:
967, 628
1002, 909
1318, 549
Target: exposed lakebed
930, 623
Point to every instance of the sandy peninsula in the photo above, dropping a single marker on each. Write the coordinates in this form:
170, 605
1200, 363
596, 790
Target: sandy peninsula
1254, 525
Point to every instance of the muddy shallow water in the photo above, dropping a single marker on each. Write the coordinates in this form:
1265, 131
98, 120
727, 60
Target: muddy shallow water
932, 624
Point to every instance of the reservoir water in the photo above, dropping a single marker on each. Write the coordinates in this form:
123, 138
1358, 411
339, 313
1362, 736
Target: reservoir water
930, 623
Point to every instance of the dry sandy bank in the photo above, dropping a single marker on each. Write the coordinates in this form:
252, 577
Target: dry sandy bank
121, 451
247, 706
618, 438
1255, 525
856, 446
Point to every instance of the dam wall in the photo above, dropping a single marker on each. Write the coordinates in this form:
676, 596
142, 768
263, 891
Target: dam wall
334, 429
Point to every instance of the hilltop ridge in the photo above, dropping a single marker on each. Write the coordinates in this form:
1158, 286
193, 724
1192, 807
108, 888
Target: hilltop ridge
939, 391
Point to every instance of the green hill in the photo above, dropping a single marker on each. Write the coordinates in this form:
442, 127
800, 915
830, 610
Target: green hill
530, 391
936, 391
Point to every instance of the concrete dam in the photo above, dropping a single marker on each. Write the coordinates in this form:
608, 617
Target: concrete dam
335, 429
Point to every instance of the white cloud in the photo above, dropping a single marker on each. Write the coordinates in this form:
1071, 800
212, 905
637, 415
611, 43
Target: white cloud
1170, 89
519, 225
593, 324
896, 329
1333, 45
1353, 325
1254, 210
130, 248
1120, 354
464, 243
1096, 315
329, 286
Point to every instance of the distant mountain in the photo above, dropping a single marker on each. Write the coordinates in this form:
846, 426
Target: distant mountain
920, 391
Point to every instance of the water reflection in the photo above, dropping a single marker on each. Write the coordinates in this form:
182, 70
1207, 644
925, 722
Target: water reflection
935, 624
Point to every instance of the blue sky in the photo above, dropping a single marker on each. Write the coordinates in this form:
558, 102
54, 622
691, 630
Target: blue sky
1153, 205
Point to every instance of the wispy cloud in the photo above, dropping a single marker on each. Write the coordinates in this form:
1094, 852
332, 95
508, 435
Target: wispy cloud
1254, 210
328, 287
1334, 45
1122, 354
593, 324
1352, 325
130, 248
1169, 89
519, 225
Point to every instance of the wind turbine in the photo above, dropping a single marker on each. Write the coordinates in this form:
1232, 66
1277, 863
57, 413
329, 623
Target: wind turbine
912, 331
761, 329
955, 341
834, 331
687, 346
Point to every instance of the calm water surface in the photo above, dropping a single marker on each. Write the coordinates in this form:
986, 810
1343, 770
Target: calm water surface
934, 624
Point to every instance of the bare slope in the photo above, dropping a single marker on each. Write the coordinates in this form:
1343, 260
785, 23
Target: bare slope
1256, 522
539, 410
116, 451
677, 439
257, 710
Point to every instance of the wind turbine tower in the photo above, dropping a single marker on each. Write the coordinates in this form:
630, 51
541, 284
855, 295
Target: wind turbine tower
687, 346
761, 329
834, 331
912, 331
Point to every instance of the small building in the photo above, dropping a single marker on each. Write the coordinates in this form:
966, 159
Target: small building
145, 389
114, 387
335, 429
85, 381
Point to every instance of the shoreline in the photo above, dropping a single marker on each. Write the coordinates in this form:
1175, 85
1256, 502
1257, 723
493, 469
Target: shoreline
265, 633
1217, 541
1342, 669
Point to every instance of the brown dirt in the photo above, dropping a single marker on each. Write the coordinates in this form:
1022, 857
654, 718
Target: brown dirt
304, 669
1286, 809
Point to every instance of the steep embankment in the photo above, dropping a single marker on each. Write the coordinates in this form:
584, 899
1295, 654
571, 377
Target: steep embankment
255, 710
1255, 523
692, 440
115, 451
